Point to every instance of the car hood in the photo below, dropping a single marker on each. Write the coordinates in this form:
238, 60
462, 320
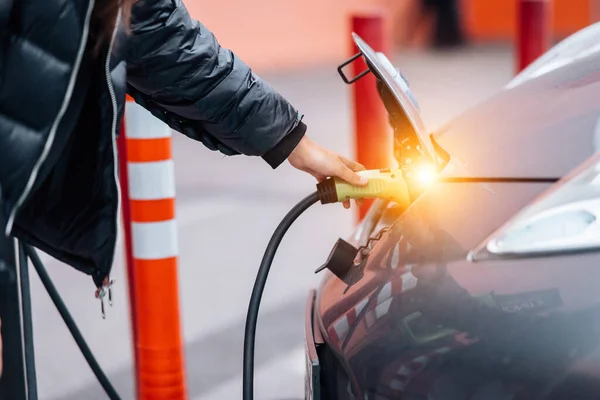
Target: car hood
543, 127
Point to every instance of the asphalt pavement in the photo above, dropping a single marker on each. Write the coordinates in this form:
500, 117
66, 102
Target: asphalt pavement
227, 208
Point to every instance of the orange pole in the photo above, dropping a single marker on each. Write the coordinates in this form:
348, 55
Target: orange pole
154, 286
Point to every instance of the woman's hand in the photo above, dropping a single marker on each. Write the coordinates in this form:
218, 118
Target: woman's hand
322, 164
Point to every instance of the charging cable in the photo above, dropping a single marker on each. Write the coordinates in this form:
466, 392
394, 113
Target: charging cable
259, 286
385, 183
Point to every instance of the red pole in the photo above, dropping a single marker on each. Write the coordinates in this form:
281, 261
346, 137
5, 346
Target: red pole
126, 214
374, 140
594, 11
534, 30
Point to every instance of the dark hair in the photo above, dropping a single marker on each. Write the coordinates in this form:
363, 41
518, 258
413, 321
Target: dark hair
104, 18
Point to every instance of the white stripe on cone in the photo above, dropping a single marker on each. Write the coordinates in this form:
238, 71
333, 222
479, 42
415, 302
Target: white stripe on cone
154, 240
141, 124
152, 180
341, 327
409, 281
383, 308
385, 293
359, 307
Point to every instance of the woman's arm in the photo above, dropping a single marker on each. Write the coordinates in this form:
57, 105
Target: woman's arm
178, 64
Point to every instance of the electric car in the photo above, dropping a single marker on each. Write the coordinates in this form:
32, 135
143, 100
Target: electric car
487, 286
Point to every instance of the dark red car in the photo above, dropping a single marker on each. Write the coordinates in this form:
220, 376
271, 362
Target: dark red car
480, 291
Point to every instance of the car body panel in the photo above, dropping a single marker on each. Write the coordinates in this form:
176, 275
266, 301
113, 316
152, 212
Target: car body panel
426, 323
421, 303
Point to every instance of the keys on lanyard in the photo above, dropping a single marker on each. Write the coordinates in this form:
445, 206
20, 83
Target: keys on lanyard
104, 291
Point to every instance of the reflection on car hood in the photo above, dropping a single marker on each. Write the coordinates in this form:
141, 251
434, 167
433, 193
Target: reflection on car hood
424, 322
546, 127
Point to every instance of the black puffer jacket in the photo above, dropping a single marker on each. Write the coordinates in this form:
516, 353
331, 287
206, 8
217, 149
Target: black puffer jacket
60, 109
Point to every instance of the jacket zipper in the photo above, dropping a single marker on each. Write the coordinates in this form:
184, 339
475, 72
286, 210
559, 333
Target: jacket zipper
113, 132
56, 123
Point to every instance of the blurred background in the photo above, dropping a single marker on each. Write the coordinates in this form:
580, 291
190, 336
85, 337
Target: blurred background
271, 35
454, 54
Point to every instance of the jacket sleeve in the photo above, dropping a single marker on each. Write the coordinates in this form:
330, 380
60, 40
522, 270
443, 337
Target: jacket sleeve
178, 64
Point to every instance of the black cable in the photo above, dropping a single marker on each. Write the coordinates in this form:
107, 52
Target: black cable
28, 347
66, 316
497, 180
259, 286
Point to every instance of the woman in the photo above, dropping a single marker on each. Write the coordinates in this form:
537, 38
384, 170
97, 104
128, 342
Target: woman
447, 33
65, 67
434, 23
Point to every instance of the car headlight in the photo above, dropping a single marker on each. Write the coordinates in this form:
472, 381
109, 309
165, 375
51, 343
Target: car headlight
563, 220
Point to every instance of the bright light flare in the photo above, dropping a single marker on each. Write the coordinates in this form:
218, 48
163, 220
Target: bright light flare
426, 175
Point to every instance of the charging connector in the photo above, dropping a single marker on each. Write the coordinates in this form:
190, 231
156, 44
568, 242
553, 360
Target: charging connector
385, 184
